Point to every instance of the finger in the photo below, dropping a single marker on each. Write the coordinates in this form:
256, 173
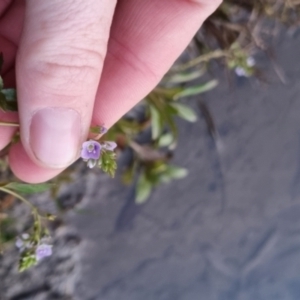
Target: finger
10, 29
146, 38
11, 22
25, 169
58, 69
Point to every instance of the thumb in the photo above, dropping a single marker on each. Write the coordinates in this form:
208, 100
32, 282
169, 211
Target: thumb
58, 69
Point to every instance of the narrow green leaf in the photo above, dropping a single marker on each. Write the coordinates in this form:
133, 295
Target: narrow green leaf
24, 188
1, 83
195, 90
185, 77
167, 93
171, 173
176, 172
156, 122
143, 189
185, 112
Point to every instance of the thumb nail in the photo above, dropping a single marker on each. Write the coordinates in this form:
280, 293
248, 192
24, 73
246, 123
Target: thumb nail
55, 135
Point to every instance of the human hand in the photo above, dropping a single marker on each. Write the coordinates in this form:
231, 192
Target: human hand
57, 51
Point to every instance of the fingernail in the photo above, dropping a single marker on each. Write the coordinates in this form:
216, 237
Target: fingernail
55, 136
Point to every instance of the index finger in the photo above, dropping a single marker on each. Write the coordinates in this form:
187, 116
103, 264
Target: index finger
146, 38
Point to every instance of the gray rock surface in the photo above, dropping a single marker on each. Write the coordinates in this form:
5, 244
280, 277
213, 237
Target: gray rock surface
231, 229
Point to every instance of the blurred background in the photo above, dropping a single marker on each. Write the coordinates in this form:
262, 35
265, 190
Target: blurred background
206, 201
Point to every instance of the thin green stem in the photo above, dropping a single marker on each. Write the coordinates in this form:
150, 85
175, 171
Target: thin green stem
37, 217
200, 59
8, 191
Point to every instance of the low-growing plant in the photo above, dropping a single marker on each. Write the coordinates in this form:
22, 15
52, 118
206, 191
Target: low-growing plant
231, 36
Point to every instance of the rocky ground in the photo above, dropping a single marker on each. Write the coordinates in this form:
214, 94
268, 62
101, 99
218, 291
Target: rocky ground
229, 231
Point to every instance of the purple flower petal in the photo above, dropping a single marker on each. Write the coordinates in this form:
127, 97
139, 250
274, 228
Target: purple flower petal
43, 251
25, 236
90, 150
19, 243
110, 146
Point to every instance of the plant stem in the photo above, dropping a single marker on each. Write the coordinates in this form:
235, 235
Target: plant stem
12, 124
8, 191
200, 59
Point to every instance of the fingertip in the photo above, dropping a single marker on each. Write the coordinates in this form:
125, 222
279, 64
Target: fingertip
25, 170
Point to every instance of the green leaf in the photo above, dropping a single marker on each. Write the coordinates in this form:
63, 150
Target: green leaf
1, 83
156, 122
166, 140
166, 93
173, 172
185, 77
8, 100
195, 90
185, 112
176, 172
24, 188
27, 261
107, 163
128, 127
143, 189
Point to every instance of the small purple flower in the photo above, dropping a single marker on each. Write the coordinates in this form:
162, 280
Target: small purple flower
110, 146
90, 150
241, 72
23, 242
25, 236
19, 244
250, 61
42, 251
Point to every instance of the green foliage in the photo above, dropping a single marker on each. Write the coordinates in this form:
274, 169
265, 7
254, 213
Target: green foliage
25, 188
184, 112
38, 232
154, 174
183, 77
196, 90
156, 121
8, 97
229, 42
165, 140
108, 163
143, 189
27, 260
8, 101
7, 233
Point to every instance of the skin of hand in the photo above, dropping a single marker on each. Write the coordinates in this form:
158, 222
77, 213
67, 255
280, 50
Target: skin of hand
77, 63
